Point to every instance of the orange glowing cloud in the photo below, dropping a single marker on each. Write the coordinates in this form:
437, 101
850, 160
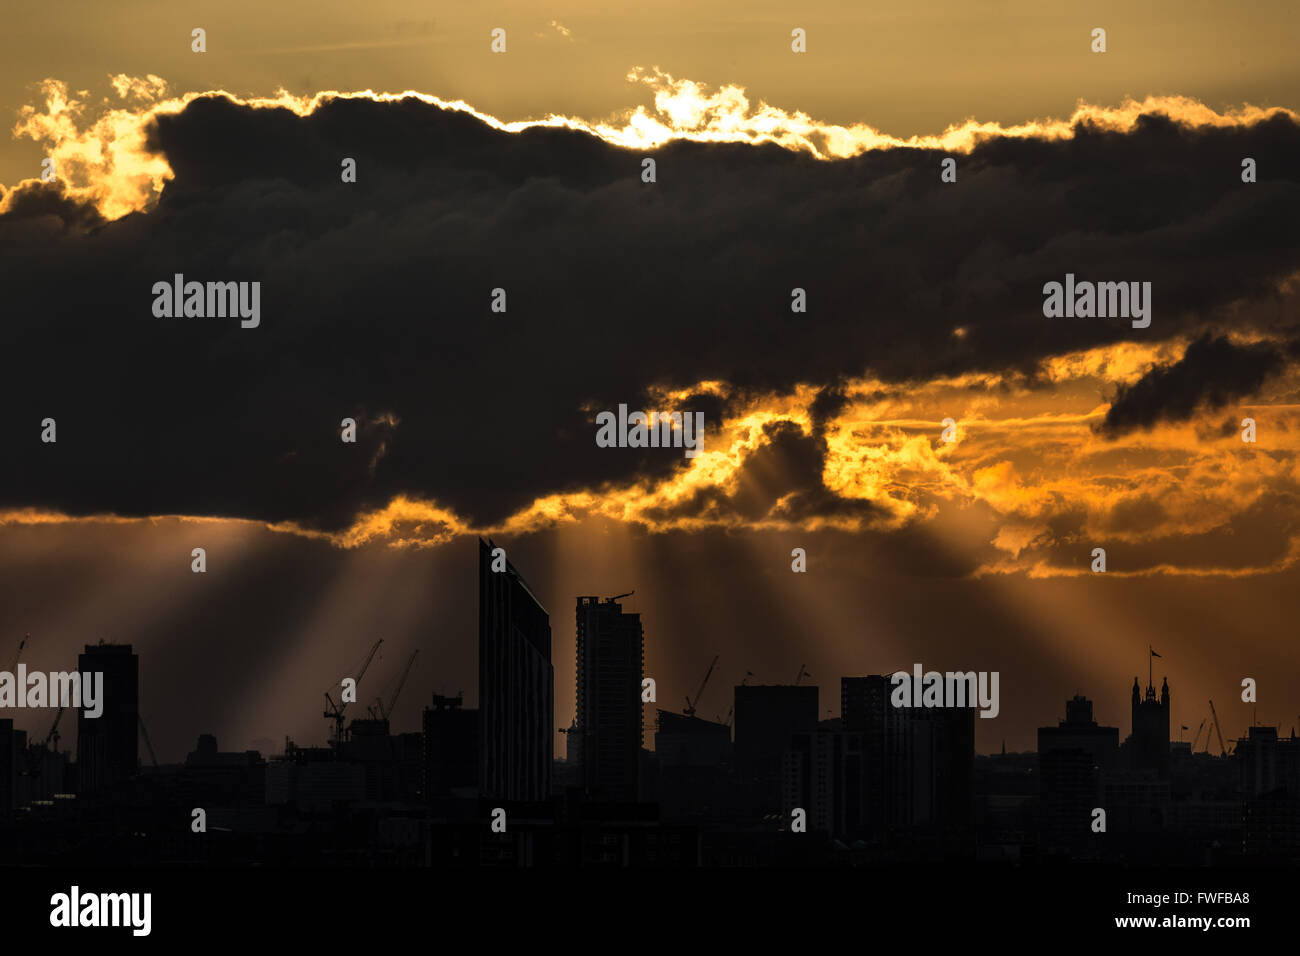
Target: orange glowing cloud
99, 151
1023, 461
1028, 461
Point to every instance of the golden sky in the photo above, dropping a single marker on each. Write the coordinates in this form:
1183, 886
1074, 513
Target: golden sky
906, 69
974, 553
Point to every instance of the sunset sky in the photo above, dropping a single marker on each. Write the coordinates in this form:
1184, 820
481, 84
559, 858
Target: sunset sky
823, 429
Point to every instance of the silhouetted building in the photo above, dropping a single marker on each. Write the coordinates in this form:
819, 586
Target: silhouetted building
1080, 732
450, 749
822, 773
1139, 794
1271, 827
919, 761
10, 766
942, 750
689, 741
314, 779
46, 772
1147, 747
1005, 813
767, 718
693, 763
1074, 758
860, 698
515, 680
216, 778
1136, 801
108, 745
206, 754
393, 764
1268, 763
610, 656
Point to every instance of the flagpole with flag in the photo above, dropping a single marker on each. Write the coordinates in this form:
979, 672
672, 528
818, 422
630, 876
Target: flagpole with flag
1153, 655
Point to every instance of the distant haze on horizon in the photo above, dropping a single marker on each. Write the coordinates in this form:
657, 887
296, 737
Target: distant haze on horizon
246, 651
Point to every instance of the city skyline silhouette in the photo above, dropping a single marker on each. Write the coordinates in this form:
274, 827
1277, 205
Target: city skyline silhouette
877, 782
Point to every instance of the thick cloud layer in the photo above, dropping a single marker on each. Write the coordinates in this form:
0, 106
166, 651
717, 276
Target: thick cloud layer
1211, 373
375, 298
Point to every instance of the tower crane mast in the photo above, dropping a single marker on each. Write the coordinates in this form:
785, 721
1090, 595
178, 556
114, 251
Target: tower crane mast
1198, 734
19, 653
384, 712
691, 704
1223, 751
335, 711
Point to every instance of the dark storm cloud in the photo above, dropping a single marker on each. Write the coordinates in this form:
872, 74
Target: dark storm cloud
830, 401
1211, 373
1257, 538
375, 295
37, 206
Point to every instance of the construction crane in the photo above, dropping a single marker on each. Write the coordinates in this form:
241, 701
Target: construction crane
335, 711
690, 704
1223, 751
744, 681
401, 680
1209, 724
803, 672
19, 653
145, 734
34, 752
1198, 733
54, 732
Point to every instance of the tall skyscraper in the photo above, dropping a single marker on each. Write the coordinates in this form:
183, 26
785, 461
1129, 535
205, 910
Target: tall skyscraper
611, 653
515, 681
919, 760
1074, 759
108, 745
